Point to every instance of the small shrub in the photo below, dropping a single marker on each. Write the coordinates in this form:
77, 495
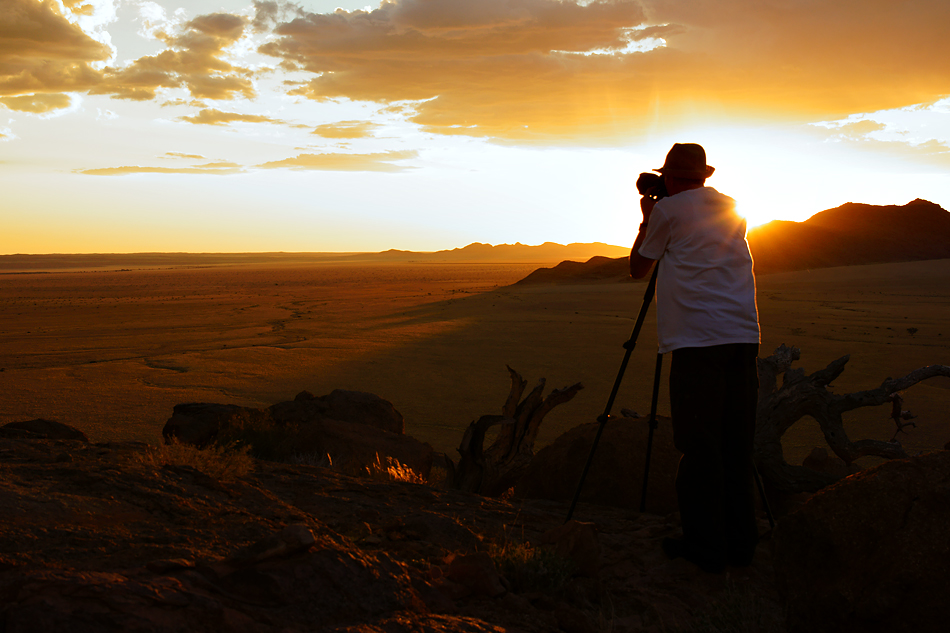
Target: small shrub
531, 568
221, 462
439, 477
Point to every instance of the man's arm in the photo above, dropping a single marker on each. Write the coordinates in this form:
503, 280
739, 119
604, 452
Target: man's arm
639, 265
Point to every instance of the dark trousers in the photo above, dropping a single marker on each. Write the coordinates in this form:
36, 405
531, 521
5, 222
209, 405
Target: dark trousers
713, 394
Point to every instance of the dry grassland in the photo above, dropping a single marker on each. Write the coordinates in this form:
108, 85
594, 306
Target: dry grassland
112, 352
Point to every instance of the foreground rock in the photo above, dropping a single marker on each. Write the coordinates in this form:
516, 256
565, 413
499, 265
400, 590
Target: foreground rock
871, 552
113, 540
42, 429
355, 431
616, 475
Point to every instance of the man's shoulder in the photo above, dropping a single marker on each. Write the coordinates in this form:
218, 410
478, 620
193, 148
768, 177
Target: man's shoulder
700, 196
711, 193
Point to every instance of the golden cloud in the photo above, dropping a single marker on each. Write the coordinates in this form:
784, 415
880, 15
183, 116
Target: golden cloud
37, 104
193, 60
520, 70
345, 129
524, 69
220, 168
210, 116
79, 7
380, 161
42, 51
180, 155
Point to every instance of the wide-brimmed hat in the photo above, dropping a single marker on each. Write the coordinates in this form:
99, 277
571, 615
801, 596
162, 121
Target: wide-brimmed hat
686, 160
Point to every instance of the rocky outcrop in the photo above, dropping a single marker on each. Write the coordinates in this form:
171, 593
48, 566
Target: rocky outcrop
871, 552
200, 423
114, 540
616, 475
359, 433
42, 429
346, 406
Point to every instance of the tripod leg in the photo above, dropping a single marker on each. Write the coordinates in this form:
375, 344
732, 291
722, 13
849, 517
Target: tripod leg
653, 403
629, 347
765, 500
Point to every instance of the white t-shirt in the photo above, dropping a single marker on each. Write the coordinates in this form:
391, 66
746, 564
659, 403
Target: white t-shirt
705, 286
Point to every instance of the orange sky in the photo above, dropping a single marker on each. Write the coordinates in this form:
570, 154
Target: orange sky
225, 125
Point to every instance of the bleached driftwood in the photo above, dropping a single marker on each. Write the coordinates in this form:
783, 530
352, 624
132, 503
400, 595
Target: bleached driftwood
782, 406
494, 470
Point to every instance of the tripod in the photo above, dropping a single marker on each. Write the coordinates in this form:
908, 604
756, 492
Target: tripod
628, 346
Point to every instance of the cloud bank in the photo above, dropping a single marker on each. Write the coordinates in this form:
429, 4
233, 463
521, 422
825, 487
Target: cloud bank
521, 70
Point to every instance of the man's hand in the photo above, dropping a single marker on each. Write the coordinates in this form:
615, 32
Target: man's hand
646, 207
639, 265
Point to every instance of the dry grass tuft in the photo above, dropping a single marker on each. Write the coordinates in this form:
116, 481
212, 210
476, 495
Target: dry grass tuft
530, 568
390, 469
224, 463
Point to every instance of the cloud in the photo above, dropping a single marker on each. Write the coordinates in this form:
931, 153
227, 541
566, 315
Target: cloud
269, 13
194, 60
859, 129
37, 104
221, 168
79, 7
41, 51
180, 155
346, 129
210, 116
6, 134
514, 69
380, 162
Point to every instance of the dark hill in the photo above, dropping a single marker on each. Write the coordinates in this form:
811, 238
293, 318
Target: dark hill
853, 234
850, 235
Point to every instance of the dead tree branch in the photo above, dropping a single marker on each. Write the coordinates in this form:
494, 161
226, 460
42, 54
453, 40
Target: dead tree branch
493, 470
782, 406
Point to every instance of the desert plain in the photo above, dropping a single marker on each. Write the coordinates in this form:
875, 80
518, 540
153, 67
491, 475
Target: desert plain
111, 350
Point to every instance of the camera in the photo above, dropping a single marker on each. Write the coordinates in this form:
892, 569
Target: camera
651, 185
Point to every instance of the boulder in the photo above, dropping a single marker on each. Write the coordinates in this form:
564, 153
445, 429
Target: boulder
200, 423
870, 552
616, 475
346, 406
42, 429
360, 432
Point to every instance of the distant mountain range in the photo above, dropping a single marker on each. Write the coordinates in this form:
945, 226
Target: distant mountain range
547, 253
509, 253
850, 235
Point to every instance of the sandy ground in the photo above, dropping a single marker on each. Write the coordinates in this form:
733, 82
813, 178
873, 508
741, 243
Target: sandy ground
112, 352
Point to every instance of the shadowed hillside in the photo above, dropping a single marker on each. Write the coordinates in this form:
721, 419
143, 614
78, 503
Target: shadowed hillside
853, 234
850, 235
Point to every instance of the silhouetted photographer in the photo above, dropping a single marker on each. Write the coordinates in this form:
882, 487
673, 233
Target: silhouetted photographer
707, 318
